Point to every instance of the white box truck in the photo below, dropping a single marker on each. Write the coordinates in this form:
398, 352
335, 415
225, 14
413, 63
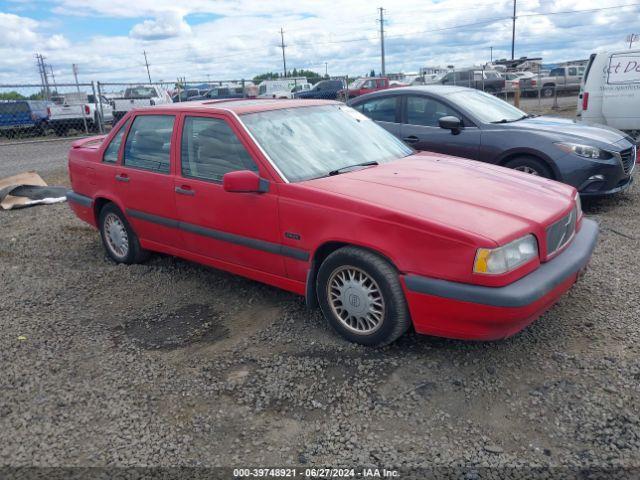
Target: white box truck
610, 91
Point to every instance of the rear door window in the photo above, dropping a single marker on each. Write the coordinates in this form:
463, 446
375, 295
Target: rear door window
148, 143
380, 109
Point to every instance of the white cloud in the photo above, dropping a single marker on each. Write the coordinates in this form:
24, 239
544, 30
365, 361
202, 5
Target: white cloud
166, 25
16, 30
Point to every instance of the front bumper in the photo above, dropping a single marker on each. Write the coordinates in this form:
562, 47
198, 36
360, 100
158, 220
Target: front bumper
473, 312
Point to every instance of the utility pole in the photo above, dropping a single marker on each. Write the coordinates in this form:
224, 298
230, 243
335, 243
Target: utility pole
43, 75
146, 62
382, 39
53, 76
513, 31
282, 45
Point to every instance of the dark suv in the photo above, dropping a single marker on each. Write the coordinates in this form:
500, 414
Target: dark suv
325, 89
23, 115
489, 81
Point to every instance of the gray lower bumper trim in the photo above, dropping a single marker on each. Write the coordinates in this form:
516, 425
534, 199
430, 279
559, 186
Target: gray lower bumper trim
79, 199
525, 291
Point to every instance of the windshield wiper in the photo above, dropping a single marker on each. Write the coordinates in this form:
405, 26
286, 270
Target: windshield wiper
348, 167
504, 120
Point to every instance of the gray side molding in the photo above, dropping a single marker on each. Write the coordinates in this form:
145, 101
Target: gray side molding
525, 291
79, 199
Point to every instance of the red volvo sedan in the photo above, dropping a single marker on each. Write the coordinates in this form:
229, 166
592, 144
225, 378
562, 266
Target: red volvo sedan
315, 198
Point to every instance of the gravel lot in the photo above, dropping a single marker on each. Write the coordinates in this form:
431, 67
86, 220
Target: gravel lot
171, 363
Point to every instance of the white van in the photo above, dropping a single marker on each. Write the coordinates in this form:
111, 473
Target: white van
610, 91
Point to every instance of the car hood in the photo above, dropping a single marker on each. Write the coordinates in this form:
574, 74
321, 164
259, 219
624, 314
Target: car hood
484, 200
572, 129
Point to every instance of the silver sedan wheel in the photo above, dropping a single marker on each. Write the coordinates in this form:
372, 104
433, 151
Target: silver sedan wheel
356, 300
116, 235
527, 169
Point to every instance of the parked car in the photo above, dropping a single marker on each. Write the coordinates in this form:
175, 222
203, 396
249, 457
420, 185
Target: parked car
186, 95
313, 197
23, 116
280, 87
488, 81
562, 79
511, 81
299, 88
427, 79
364, 85
140, 96
468, 123
75, 110
324, 90
610, 91
217, 93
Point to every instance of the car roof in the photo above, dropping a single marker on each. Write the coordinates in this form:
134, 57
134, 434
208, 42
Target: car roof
239, 106
434, 89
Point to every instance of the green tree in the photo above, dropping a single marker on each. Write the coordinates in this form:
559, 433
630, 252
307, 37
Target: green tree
12, 95
266, 76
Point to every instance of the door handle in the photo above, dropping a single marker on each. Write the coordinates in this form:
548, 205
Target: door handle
411, 139
123, 178
185, 190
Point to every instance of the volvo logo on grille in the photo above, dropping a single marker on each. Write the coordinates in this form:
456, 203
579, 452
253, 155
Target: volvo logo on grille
354, 300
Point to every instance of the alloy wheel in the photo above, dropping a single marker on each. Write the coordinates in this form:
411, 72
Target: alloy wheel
356, 300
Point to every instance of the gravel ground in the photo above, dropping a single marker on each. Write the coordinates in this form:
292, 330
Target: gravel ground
172, 363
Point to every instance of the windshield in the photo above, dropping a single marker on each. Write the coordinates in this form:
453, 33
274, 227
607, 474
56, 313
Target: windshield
310, 142
485, 107
357, 83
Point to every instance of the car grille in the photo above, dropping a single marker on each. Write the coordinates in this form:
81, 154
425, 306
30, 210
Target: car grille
628, 159
561, 232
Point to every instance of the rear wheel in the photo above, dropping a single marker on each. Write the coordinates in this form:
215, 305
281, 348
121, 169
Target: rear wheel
548, 91
118, 238
530, 165
361, 297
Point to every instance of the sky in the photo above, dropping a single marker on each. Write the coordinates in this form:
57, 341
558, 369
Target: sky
234, 39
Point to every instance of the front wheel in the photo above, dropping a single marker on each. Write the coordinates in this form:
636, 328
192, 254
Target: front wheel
548, 92
361, 297
530, 165
118, 238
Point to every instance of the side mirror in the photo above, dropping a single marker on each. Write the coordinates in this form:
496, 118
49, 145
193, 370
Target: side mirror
450, 123
244, 181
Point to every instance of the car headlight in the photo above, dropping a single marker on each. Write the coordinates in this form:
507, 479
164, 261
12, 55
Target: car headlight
503, 259
586, 151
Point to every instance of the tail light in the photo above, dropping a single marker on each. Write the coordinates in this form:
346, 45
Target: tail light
48, 111
534, 83
87, 110
637, 153
585, 100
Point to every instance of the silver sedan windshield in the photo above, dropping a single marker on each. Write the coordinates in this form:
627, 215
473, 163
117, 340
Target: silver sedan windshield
310, 142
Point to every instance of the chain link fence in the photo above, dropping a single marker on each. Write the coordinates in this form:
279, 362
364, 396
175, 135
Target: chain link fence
49, 111
34, 110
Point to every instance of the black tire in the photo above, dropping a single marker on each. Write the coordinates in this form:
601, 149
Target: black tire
547, 92
394, 318
527, 163
134, 252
